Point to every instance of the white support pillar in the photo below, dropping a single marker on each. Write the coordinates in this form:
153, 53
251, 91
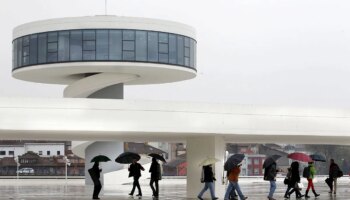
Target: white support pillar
197, 150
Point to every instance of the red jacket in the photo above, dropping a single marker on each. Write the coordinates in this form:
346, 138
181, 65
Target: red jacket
234, 173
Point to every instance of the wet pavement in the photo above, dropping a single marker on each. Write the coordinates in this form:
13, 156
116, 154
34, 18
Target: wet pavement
170, 189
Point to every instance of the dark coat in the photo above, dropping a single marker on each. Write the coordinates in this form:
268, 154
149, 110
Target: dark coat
208, 174
135, 170
270, 172
295, 176
155, 171
333, 170
95, 173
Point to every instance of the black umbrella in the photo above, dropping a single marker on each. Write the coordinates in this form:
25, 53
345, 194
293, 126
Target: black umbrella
270, 160
233, 161
127, 157
157, 156
100, 158
318, 157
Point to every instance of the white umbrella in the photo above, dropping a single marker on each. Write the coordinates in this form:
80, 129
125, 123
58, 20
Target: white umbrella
209, 161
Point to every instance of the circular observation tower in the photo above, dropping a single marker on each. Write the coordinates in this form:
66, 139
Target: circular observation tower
96, 56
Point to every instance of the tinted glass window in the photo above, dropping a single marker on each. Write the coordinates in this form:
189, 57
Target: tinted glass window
152, 46
163, 58
42, 48
19, 56
180, 50
52, 57
26, 51
128, 55
192, 53
172, 49
141, 45
163, 37
187, 42
52, 47
76, 45
88, 45
163, 48
115, 45
63, 46
14, 54
89, 35
104, 45
101, 45
89, 55
33, 55
25, 41
128, 45
128, 35
52, 37
187, 52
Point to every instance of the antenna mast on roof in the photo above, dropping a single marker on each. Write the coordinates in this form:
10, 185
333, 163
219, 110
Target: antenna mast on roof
105, 7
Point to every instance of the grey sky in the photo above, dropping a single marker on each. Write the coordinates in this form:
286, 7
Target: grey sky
270, 52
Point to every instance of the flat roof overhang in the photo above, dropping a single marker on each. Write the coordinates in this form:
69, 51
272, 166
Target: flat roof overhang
138, 120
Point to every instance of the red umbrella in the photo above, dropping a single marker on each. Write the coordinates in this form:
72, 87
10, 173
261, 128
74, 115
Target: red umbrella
302, 157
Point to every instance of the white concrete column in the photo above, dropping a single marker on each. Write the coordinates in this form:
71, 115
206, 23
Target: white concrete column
197, 150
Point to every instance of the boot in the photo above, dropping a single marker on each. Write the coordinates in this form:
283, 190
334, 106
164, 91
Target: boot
316, 195
306, 194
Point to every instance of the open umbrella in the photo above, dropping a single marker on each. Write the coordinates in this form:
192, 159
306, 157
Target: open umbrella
318, 157
157, 156
302, 157
208, 161
271, 159
127, 157
100, 158
233, 161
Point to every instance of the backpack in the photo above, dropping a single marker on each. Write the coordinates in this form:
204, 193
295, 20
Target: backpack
306, 172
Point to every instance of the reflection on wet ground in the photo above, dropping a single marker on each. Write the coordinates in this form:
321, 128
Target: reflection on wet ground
58, 189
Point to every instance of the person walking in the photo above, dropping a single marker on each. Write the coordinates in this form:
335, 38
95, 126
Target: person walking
287, 182
208, 179
95, 176
333, 176
312, 173
233, 183
294, 180
155, 177
270, 174
135, 171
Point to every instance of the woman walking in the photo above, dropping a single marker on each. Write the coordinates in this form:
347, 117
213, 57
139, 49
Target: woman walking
310, 184
208, 179
155, 177
294, 180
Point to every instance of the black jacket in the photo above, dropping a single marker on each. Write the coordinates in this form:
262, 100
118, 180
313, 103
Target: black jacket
135, 170
333, 170
95, 173
295, 177
208, 174
155, 171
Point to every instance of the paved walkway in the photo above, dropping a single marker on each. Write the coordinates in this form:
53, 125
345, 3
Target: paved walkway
174, 189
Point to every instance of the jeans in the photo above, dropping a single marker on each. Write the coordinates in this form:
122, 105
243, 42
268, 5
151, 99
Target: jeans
207, 185
272, 188
233, 186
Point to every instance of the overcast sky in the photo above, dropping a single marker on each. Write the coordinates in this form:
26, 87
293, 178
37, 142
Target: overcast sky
265, 52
